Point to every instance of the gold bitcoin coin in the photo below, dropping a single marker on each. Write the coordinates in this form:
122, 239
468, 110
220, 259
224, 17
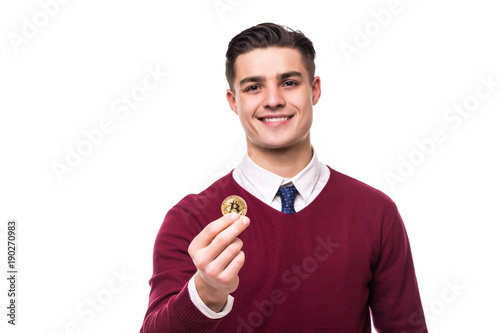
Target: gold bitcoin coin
234, 204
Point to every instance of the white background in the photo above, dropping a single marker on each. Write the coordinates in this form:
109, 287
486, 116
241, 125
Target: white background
103, 216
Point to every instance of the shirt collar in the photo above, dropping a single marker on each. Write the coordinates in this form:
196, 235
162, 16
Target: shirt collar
268, 183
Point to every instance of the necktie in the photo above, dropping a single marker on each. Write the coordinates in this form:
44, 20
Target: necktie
287, 195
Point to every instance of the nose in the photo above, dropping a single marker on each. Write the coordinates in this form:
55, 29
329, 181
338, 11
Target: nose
273, 98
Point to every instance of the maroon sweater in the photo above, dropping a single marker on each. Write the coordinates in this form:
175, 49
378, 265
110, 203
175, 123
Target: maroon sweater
321, 269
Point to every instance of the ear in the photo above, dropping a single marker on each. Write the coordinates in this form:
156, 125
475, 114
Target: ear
232, 101
316, 90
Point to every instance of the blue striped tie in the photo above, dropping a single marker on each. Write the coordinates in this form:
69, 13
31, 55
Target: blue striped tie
287, 195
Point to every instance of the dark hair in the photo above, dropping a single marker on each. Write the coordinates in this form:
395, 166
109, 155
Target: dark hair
264, 35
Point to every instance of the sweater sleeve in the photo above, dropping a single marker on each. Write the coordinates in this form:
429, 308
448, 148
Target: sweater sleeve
394, 297
170, 307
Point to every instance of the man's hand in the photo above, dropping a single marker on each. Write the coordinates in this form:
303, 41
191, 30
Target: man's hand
216, 252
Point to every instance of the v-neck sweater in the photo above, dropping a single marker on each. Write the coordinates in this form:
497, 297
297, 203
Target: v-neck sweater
322, 269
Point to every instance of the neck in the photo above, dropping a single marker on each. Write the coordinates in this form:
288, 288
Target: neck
285, 162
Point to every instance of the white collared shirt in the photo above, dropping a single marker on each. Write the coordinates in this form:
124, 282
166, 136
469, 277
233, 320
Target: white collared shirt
264, 185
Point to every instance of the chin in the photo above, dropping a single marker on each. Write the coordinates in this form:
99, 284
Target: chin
277, 145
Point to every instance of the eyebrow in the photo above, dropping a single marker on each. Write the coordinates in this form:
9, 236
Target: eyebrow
259, 79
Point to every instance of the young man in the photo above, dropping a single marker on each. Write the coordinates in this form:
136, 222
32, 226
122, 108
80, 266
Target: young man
323, 251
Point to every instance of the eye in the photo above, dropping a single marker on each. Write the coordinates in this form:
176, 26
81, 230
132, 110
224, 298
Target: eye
252, 88
289, 83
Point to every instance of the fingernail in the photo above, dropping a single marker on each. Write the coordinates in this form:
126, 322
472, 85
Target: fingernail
235, 216
245, 220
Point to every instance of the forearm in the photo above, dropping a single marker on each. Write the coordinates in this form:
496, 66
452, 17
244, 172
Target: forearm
200, 305
394, 295
174, 306
214, 299
177, 314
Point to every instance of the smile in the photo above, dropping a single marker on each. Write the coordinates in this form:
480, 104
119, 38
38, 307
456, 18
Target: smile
275, 119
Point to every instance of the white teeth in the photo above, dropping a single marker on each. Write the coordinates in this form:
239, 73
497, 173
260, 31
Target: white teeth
275, 119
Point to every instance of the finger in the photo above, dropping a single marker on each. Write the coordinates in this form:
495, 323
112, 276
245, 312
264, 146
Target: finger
205, 237
226, 236
226, 256
232, 270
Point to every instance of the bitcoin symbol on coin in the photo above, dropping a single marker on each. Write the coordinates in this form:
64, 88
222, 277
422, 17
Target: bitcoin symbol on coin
234, 207
234, 204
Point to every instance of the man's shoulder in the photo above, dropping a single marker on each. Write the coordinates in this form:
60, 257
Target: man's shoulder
216, 190
207, 203
350, 188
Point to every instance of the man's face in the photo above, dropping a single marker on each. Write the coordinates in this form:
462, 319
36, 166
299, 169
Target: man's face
274, 97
